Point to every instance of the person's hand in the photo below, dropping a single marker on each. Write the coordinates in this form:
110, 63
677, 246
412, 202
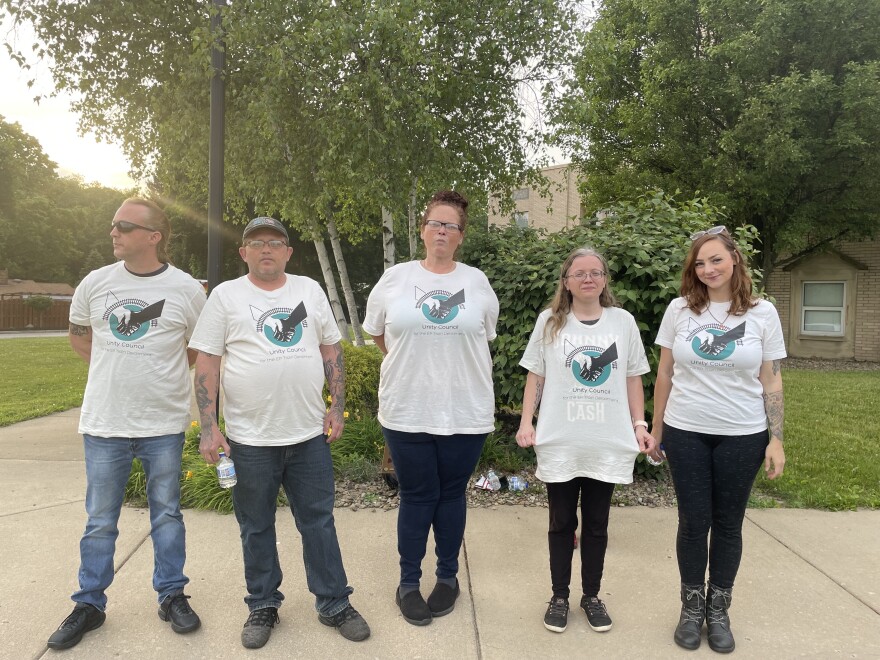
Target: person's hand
655, 452
646, 441
211, 441
774, 459
525, 437
334, 422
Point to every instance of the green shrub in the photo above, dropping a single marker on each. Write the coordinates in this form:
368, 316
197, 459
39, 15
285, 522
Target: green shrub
357, 454
645, 242
362, 365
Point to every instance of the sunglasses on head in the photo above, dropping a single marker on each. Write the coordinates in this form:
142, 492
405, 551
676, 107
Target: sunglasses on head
720, 229
125, 227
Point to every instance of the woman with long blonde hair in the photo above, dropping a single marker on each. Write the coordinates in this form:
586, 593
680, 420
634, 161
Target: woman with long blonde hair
585, 360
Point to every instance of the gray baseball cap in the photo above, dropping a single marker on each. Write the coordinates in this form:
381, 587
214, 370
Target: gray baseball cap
265, 222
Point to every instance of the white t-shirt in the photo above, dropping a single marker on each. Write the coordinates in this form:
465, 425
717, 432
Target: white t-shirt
270, 340
584, 427
437, 375
717, 358
139, 383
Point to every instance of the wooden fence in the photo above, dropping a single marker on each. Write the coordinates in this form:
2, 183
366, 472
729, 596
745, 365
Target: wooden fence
16, 315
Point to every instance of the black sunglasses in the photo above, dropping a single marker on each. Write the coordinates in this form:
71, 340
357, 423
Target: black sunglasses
126, 227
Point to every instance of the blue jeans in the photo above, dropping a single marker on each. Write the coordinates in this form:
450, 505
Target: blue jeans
305, 471
108, 464
433, 473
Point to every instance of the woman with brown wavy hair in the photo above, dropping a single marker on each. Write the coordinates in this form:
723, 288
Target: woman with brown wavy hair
718, 411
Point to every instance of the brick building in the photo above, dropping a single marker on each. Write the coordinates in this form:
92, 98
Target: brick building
560, 209
829, 302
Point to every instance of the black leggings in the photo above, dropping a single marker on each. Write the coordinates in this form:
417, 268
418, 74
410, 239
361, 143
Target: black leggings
562, 499
713, 476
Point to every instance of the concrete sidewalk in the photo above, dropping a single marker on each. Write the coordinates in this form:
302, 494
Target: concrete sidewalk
809, 585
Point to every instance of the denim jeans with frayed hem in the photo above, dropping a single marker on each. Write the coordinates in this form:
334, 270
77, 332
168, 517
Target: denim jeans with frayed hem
305, 471
433, 473
108, 464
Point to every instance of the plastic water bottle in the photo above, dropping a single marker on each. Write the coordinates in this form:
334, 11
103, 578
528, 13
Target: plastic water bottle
651, 460
517, 483
494, 481
226, 471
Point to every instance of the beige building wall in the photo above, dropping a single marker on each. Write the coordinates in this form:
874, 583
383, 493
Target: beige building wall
857, 265
560, 210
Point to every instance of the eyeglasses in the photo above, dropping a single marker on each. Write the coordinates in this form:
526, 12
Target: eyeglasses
720, 229
258, 244
451, 227
581, 275
126, 227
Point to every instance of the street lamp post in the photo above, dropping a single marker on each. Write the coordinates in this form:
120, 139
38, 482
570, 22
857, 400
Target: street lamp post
216, 144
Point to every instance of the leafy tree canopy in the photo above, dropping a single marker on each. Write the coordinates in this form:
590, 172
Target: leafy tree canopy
332, 106
49, 225
771, 108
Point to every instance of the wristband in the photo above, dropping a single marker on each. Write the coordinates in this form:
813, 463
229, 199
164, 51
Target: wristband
640, 422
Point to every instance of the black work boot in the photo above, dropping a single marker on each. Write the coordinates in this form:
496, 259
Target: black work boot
717, 621
693, 612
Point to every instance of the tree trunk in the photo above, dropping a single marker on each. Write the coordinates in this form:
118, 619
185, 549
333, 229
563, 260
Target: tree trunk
388, 237
346, 282
330, 281
412, 218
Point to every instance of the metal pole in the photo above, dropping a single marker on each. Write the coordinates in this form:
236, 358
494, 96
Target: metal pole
215, 149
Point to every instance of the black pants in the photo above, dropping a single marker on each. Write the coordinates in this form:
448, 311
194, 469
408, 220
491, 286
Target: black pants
595, 499
713, 476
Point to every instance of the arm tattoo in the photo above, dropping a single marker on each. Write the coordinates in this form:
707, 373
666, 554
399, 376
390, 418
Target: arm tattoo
206, 405
539, 391
777, 365
79, 330
775, 407
334, 372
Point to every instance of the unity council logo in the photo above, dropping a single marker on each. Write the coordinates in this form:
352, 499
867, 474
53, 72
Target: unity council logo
439, 306
282, 326
590, 365
714, 341
130, 318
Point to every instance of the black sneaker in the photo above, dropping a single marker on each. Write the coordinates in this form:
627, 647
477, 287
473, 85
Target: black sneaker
413, 608
258, 627
84, 618
349, 623
442, 599
176, 610
556, 618
597, 615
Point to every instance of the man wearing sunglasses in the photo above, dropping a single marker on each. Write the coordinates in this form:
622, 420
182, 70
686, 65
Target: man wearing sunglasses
130, 322
279, 340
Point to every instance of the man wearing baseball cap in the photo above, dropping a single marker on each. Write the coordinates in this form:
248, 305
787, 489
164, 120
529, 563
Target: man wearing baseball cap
279, 338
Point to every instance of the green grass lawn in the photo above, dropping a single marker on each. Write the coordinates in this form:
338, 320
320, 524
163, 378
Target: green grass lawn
832, 445
38, 377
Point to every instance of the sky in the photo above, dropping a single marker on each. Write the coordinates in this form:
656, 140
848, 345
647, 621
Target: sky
55, 126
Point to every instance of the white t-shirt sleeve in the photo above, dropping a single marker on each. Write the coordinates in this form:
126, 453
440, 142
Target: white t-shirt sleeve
491, 318
637, 363
328, 331
193, 311
533, 358
374, 318
80, 313
773, 341
209, 335
666, 333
